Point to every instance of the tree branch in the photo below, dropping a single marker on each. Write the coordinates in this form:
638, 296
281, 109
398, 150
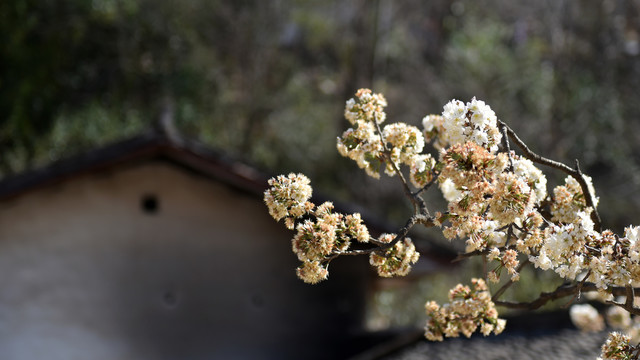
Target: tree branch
402, 233
575, 173
508, 284
485, 251
564, 291
628, 304
419, 205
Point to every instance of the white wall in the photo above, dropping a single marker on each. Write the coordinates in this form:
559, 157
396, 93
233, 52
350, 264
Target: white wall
85, 273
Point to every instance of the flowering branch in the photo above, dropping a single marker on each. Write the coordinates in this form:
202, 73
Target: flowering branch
382, 246
575, 173
419, 205
562, 291
497, 203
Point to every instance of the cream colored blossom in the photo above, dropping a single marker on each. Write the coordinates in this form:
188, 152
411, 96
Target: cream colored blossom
433, 131
396, 260
529, 173
405, 141
473, 121
468, 309
421, 169
586, 318
512, 199
312, 272
617, 347
363, 145
366, 106
618, 318
288, 197
568, 199
313, 241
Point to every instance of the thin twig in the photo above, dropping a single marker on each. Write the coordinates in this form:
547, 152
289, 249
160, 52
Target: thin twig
576, 296
419, 205
564, 291
508, 284
402, 233
428, 185
485, 251
505, 138
628, 303
575, 173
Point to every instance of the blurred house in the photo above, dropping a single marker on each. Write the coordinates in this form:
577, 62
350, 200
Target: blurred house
160, 248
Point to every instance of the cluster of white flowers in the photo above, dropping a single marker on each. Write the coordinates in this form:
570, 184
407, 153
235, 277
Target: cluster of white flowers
364, 144
397, 259
433, 127
576, 248
406, 143
568, 200
532, 176
366, 106
508, 260
620, 319
512, 199
485, 195
322, 233
330, 233
312, 272
421, 171
460, 123
449, 190
610, 262
288, 197
586, 317
563, 247
617, 347
468, 309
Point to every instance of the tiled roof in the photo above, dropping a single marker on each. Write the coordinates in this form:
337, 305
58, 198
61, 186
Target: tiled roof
530, 337
152, 144
565, 344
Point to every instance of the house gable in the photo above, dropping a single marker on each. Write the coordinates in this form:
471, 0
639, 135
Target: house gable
202, 273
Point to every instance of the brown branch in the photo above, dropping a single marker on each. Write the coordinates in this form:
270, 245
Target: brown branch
576, 296
485, 251
628, 304
508, 284
419, 205
402, 233
505, 138
575, 173
428, 185
564, 291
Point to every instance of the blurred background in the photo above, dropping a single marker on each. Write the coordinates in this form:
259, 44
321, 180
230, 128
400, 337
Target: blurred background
267, 81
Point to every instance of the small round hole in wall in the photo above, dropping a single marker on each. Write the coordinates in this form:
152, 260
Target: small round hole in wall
170, 299
150, 204
257, 301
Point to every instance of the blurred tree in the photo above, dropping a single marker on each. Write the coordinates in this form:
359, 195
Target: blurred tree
78, 73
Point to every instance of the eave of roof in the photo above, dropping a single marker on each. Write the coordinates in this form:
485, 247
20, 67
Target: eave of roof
148, 145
